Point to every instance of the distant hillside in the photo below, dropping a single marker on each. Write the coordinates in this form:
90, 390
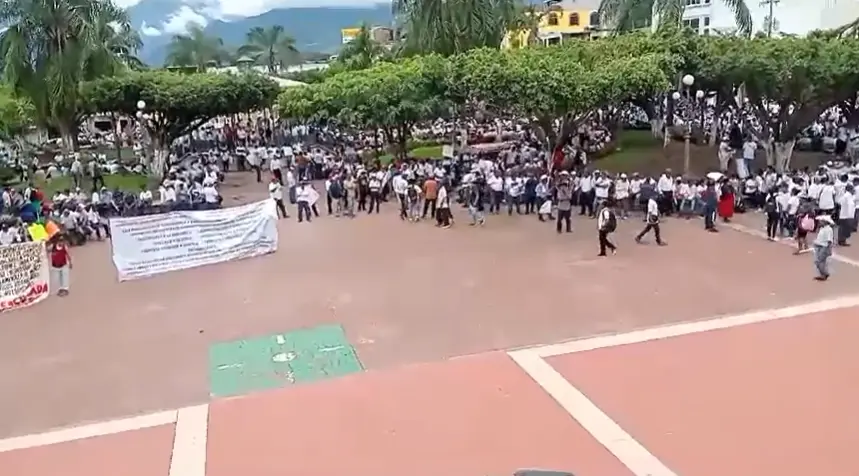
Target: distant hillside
314, 29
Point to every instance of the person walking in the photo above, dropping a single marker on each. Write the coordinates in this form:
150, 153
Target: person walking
606, 225
275, 191
304, 198
564, 199
652, 220
475, 203
823, 243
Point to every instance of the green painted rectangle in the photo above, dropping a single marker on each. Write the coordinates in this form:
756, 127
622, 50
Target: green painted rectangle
263, 363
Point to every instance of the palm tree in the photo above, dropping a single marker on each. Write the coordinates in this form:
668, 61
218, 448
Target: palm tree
362, 51
627, 15
195, 48
50, 47
270, 46
453, 26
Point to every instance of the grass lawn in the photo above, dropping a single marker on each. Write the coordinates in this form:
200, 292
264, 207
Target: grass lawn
640, 152
429, 152
112, 182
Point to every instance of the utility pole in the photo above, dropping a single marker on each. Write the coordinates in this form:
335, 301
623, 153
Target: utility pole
770, 18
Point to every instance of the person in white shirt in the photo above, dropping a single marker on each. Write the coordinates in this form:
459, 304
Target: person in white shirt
514, 188
749, 149
622, 195
8, 234
665, 187
823, 243
145, 196
846, 215
275, 191
586, 195
254, 160
602, 184
826, 197
606, 225
400, 186
211, 196
496, 190
303, 197
652, 220
276, 166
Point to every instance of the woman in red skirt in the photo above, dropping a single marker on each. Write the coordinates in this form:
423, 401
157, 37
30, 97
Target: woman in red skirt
726, 201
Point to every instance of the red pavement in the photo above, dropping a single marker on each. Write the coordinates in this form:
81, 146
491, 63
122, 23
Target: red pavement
775, 397
410, 298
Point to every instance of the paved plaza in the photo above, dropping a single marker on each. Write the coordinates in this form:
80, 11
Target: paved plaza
376, 347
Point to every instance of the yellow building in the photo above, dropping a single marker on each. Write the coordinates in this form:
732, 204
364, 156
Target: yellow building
559, 21
349, 34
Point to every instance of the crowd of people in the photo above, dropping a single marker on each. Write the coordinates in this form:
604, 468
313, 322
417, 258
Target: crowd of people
314, 167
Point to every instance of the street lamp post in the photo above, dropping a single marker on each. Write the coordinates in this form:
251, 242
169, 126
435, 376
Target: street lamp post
141, 130
689, 106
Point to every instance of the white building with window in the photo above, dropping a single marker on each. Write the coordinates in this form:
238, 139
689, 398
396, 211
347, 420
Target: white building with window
791, 16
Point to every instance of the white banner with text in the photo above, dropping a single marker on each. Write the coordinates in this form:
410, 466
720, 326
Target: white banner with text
154, 244
24, 275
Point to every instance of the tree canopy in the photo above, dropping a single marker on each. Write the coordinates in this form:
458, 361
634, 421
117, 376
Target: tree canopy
178, 103
542, 83
48, 48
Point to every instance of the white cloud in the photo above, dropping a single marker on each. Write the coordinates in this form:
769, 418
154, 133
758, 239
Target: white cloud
147, 30
178, 22
249, 8
125, 3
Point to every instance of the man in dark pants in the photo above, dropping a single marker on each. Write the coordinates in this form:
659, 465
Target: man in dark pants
652, 220
711, 204
564, 199
606, 225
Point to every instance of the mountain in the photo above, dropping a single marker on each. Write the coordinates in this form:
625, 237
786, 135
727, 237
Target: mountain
314, 28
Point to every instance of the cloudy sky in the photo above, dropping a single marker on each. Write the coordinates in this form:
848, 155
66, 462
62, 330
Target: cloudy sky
248, 8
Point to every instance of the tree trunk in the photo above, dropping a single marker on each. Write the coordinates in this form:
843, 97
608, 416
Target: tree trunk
783, 154
117, 136
657, 127
68, 145
769, 151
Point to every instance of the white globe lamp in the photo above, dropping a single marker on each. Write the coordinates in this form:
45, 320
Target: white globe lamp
699, 94
140, 114
675, 95
141, 104
688, 80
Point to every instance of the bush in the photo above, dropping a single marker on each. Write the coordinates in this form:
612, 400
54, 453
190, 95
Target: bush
419, 144
8, 176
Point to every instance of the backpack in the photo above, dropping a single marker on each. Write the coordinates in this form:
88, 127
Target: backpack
611, 222
806, 223
770, 206
335, 190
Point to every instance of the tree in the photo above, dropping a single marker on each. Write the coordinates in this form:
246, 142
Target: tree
195, 48
448, 27
628, 15
558, 87
787, 83
177, 104
50, 47
16, 114
270, 46
392, 97
361, 52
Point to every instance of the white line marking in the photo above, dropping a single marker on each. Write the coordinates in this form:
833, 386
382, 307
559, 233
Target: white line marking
189, 443
605, 430
88, 431
602, 428
673, 330
760, 234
